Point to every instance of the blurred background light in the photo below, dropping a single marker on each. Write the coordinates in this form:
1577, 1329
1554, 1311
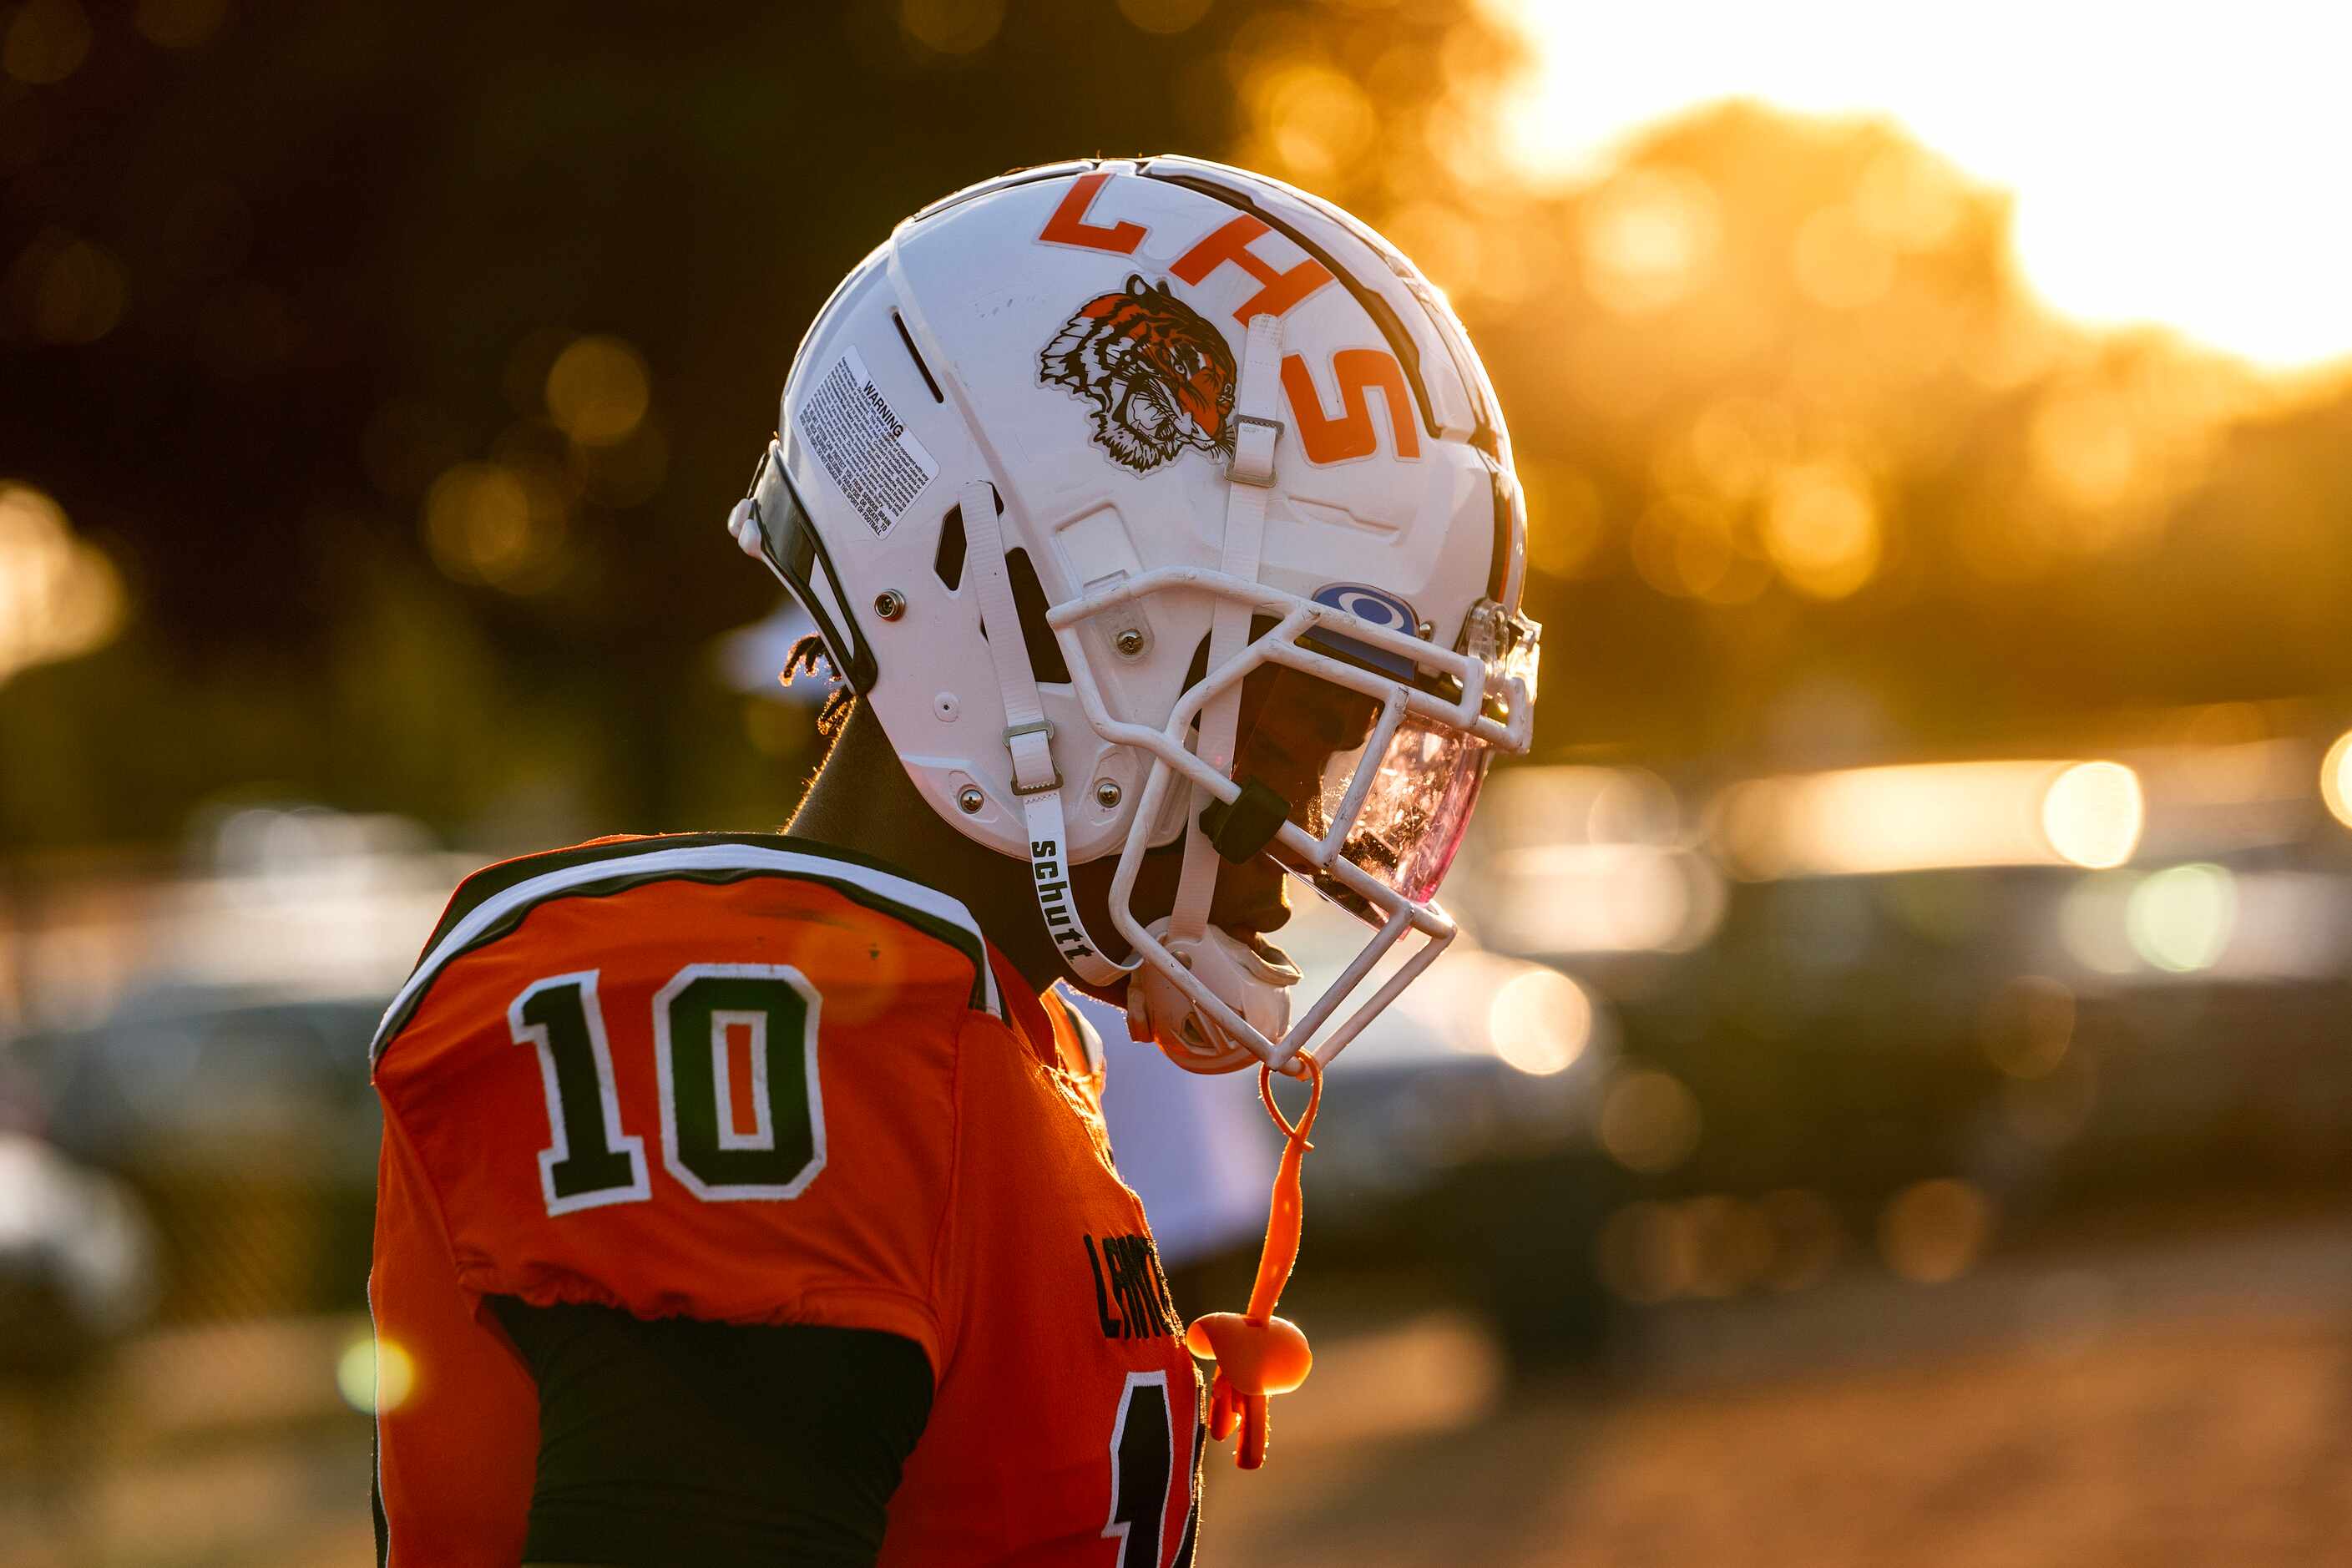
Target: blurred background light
497, 524
1933, 1231
1649, 237
1921, 816
1163, 17
59, 597
597, 391
2213, 222
45, 42
67, 290
1821, 529
1568, 860
950, 26
375, 1376
2092, 813
2028, 1024
2181, 918
1539, 1021
1648, 1121
2335, 779
179, 24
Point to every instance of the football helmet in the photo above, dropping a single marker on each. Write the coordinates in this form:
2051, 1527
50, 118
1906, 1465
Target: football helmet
1154, 498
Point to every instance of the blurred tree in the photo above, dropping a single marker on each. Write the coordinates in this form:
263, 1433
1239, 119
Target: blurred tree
403, 361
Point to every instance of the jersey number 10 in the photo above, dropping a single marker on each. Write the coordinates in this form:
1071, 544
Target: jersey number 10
723, 1139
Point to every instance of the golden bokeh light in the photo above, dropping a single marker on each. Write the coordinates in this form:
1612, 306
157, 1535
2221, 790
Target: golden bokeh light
1649, 236
375, 1376
1821, 529
1716, 1246
2091, 814
1738, 443
497, 524
73, 291
2335, 779
2027, 1026
598, 390
1317, 122
1565, 517
46, 42
59, 597
1840, 262
1648, 1121
950, 26
179, 24
1912, 201
1446, 245
1164, 16
2085, 449
1539, 1021
1933, 1232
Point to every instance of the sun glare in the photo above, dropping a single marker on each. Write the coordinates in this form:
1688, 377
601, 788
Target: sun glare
2170, 165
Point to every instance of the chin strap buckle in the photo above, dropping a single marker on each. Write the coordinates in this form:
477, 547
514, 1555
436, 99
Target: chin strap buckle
1025, 758
1240, 830
1253, 438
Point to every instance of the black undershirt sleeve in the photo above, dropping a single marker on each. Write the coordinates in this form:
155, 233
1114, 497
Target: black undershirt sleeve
676, 1441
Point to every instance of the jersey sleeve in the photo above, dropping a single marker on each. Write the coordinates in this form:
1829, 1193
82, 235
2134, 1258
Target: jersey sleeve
729, 1099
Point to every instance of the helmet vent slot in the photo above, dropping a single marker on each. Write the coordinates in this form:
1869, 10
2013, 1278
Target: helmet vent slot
949, 563
916, 354
1029, 603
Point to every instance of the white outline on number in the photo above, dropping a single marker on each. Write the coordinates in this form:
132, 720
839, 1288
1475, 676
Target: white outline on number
592, 1008
762, 1134
670, 1161
1117, 1528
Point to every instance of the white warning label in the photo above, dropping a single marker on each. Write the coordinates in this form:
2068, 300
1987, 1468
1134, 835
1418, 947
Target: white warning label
852, 428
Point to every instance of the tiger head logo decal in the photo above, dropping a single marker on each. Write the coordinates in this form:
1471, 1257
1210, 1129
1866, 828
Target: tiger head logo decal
1159, 377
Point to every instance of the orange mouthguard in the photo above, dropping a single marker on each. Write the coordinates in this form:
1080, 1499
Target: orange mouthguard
1259, 1355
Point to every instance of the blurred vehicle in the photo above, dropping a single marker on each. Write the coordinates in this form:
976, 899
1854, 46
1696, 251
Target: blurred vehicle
244, 1122
77, 1262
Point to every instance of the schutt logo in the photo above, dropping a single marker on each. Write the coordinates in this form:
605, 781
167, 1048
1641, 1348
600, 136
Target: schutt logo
1159, 377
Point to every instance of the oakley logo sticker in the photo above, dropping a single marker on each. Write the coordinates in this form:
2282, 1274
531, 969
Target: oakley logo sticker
1379, 607
1159, 376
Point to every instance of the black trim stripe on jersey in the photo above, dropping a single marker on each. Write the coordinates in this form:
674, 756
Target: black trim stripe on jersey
491, 880
503, 894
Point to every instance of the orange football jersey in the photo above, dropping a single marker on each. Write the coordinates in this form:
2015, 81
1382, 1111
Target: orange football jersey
749, 1079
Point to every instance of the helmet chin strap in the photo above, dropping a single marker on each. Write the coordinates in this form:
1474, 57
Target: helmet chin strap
1254, 432
1029, 735
1257, 989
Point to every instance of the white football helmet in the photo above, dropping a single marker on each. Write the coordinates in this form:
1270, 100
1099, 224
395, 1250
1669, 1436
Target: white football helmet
1099, 479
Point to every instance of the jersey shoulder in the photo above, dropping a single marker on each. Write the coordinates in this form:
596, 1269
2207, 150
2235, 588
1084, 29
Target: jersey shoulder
712, 1076
732, 888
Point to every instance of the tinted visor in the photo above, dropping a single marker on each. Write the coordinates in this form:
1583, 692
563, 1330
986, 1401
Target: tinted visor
1309, 740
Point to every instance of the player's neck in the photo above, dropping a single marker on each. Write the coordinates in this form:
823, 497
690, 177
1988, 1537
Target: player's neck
862, 799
